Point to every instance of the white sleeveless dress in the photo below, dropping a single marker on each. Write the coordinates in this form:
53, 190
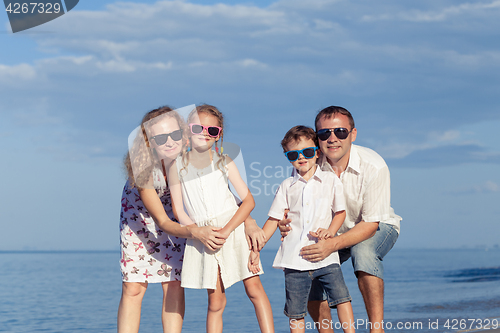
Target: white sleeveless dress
209, 201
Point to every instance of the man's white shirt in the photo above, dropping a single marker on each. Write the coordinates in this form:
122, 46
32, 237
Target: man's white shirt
367, 189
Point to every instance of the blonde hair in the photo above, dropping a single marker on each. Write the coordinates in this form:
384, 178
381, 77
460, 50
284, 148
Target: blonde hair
141, 158
213, 111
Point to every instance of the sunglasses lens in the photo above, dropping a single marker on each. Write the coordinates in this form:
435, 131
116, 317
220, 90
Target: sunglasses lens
213, 131
196, 129
324, 134
161, 139
341, 133
309, 152
292, 155
176, 135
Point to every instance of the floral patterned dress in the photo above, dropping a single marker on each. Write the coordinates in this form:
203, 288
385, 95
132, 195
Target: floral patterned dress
148, 254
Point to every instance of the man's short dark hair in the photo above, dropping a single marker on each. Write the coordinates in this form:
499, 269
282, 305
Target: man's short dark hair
296, 133
331, 111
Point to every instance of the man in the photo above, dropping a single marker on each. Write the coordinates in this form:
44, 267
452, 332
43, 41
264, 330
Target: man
370, 229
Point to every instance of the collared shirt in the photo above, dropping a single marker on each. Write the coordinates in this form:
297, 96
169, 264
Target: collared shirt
311, 204
367, 188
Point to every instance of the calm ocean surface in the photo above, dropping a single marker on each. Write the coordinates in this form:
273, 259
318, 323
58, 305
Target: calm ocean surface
80, 291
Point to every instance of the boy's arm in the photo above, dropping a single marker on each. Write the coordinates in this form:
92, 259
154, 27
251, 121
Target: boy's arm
269, 228
335, 225
338, 206
253, 233
337, 222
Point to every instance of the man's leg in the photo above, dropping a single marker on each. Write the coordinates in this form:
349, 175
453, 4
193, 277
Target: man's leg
367, 261
372, 289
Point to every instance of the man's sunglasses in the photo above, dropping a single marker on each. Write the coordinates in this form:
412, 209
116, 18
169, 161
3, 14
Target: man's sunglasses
340, 132
308, 152
161, 139
213, 131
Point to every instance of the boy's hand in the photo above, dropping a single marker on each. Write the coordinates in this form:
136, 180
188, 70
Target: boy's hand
322, 233
253, 262
284, 225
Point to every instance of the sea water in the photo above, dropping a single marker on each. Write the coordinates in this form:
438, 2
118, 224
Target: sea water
425, 291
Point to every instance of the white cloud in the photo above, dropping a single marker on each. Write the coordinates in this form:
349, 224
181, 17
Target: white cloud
448, 136
251, 63
438, 15
21, 72
400, 149
485, 187
38, 116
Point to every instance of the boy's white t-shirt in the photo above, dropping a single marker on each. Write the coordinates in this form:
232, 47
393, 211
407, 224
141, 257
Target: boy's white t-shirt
312, 205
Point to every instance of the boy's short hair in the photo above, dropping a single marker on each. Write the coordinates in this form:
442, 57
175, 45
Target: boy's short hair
331, 111
296, 133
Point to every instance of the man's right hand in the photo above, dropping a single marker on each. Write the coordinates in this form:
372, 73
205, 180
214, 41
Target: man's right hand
284, 225
209, 236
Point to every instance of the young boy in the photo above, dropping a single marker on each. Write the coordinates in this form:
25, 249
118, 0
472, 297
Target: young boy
310, 200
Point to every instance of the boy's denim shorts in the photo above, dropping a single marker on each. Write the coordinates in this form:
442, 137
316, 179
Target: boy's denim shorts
366, 257
298, 285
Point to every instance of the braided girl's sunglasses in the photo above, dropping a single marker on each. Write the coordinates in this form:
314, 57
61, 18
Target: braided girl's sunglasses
213, 131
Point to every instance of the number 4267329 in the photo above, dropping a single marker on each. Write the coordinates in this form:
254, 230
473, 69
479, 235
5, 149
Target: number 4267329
33, 7
471, 324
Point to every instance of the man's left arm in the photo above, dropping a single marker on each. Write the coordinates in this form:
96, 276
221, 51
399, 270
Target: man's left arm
375, 208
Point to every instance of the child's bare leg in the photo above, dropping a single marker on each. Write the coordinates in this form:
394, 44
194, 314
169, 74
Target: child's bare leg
172, 314
346, 317
258, 297
320, 313
216, 305
297, 325
129, 310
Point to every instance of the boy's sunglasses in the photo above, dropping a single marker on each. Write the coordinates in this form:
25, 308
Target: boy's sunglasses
308, 152
213, 131
161, 139
340, 132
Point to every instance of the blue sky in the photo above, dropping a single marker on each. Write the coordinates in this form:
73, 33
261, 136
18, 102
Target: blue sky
420, 78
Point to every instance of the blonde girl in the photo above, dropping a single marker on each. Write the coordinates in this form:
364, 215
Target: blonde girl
202, 186
152, 244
